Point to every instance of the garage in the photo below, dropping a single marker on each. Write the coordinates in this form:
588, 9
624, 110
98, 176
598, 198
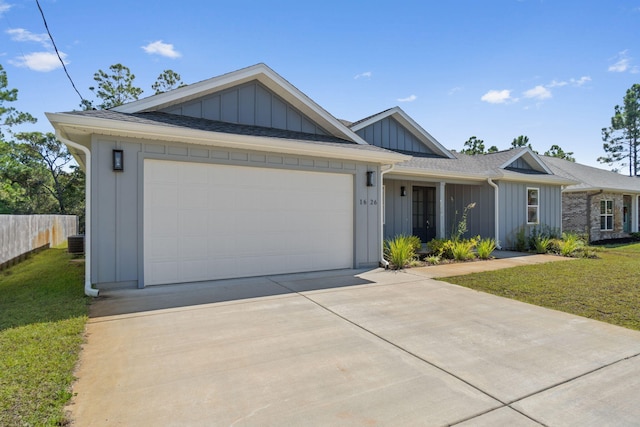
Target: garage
207, 221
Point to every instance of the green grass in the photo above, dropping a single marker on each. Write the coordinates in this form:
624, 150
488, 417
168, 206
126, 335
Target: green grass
43, 312
606, 289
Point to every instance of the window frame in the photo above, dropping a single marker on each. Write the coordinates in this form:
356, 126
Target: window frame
532, 206
606, 215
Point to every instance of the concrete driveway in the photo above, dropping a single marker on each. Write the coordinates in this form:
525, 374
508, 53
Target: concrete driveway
348, 348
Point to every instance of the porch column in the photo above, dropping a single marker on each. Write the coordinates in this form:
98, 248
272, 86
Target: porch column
441, 211
634, 213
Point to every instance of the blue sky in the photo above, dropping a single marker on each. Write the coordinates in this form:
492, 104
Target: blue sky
550, 70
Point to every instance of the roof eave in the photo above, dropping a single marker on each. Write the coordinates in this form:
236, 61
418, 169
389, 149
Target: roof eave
69, 123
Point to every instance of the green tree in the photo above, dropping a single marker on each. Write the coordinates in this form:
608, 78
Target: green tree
473, 146
9, 116
44, 151
556, 151
166, 81
521, 141
621, 140
113, 89
492, 149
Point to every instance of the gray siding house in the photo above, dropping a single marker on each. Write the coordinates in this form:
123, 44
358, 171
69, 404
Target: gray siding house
426, 195
603, 204
244, 175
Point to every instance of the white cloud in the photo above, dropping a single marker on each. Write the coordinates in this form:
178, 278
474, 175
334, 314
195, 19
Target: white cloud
623, 64
40, 61
455, 90
539, 92
162, 49
22, 35
555, 83
579, 82
4, 7
366, 74
409, 98
497, 96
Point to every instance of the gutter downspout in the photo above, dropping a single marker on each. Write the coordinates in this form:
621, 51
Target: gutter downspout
496, 199
88, 289
383, 262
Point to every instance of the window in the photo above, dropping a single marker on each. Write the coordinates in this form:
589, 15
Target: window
606, 215
533, 205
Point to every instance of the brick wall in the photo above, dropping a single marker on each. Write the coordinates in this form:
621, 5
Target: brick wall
576, 208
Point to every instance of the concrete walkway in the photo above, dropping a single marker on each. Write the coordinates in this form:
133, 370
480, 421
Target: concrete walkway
348, 348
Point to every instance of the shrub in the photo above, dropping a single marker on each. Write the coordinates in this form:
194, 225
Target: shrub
433, 259
521, 241
400, 251
440, 247
415, 242
485, 247
541, 244
462, 250
570, 243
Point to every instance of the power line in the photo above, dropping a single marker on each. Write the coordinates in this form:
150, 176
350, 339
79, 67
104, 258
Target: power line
58, 53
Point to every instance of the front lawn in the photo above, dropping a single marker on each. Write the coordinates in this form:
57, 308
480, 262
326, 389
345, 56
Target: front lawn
43, 311
606, 289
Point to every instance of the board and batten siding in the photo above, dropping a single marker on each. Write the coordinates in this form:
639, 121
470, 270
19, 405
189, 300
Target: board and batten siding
248, 104
480, 219
117, 200
513, 210
388, 133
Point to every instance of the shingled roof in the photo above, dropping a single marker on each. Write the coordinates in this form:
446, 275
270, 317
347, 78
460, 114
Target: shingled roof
591, 178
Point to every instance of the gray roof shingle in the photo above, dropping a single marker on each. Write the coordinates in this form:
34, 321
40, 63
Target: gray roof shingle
591, 178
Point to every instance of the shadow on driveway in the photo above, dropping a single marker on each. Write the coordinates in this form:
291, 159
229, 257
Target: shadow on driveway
125, 301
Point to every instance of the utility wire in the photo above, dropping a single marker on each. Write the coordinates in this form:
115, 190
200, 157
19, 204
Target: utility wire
58, 53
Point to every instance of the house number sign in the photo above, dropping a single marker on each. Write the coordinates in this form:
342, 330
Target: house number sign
371, 202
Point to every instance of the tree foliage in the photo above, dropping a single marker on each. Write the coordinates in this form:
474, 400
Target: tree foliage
9, 116
473, 146
521, 141
557, 151
166, 81
114, 88
621, 140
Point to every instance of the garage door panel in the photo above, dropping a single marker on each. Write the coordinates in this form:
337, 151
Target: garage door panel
246, 221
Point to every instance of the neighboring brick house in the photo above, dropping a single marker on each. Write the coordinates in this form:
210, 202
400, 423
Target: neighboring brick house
604, 205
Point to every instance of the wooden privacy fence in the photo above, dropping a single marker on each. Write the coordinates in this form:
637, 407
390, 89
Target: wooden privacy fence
22, 234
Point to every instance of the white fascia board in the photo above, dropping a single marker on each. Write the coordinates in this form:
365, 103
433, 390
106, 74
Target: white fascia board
404, 119
420, 172
92, 125
534, 178
604, 189
264, 75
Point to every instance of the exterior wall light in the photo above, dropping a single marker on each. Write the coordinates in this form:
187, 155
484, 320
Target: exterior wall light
118, 160
371, 179
403, 191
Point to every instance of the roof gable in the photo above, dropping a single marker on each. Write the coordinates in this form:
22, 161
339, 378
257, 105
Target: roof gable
277, 103
393, 129
525, 160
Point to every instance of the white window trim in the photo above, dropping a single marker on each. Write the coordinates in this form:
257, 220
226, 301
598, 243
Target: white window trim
606, 215
537, 206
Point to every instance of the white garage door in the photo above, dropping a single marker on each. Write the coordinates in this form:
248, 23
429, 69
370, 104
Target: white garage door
204, 221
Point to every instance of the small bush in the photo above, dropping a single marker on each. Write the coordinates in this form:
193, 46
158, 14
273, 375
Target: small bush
485, 247
462, 250
415, 242
400, 251
433, 259
441, 248
541, 244
570, 244
521, 240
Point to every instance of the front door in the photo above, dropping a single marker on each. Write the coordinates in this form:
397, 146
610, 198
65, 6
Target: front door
424, 213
